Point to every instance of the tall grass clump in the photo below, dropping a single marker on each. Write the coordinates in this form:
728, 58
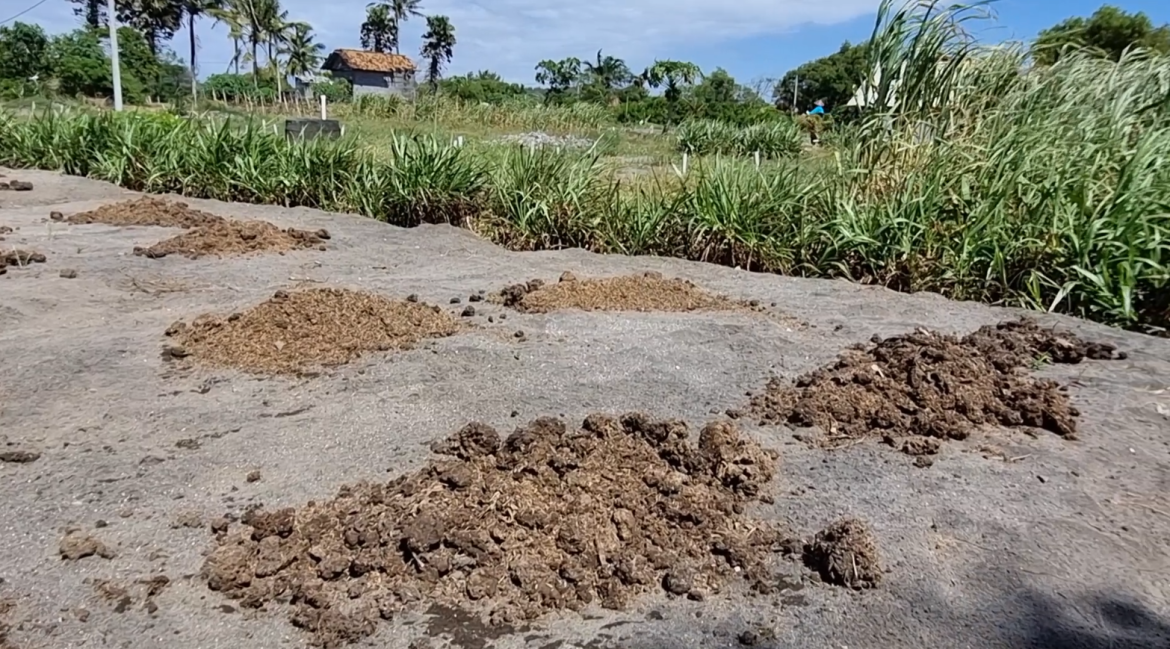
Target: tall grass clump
770, 139
420, 179
985, 179
449, 112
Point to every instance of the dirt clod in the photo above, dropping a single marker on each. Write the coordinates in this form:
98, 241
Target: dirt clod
224, 237
76, 545
253, 476
845, 554
646, 292
69, 273
295, 331
545, 519
935, 385
20, 258
16, 186
19, 457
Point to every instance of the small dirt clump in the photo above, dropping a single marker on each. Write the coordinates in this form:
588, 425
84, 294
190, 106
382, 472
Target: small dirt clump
298, 331
19, 259
76, 545
845, 554
16, 186
935, 385
224, 238
645, 292
19, 457
147, 210
513, 528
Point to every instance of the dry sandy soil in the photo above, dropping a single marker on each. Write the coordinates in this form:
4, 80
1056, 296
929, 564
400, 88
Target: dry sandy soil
1006, 539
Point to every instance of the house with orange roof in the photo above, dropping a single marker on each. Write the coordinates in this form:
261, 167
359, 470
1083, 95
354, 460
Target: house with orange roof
374, 73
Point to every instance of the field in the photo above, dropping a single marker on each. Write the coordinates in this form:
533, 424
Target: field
499, 376
150, 405
1038, 189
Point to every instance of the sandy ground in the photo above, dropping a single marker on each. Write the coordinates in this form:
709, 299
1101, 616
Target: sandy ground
1066, 546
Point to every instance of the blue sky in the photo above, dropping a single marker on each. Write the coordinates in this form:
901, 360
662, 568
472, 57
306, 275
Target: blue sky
752, 39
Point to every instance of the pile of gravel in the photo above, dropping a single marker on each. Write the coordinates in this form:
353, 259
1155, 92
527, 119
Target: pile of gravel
541, 139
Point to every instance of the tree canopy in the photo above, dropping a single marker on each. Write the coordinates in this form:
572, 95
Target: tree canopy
1108, 32
832, 79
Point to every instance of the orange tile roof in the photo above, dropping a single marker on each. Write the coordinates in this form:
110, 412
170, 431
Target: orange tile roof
371, 61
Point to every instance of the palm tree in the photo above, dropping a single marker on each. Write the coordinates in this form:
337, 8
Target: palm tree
192, 9
231, 13
401, 11
607, 73
438, 46
379, 31
304, 55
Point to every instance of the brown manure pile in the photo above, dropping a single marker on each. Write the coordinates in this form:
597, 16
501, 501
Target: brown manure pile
147, 210
546, 519
19, 259
645, 292
935, 385
226, 237
295, 332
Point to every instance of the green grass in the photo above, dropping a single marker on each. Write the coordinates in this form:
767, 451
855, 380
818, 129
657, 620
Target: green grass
1048, 189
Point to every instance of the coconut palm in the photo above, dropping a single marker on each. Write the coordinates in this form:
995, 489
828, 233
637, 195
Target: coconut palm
304, 54
401, 11
607, 73
192, 9
231, 14
438, 47
379, 31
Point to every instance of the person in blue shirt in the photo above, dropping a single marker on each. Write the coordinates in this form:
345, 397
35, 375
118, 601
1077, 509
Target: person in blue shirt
818, 109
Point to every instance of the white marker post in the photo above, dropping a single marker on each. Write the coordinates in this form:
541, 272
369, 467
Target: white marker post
117, 69
757, 156
324, 112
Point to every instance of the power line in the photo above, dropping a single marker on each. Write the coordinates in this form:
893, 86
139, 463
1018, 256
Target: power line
41, 2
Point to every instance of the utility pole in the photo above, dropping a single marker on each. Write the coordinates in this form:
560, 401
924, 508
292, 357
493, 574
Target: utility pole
110, 11
795, 91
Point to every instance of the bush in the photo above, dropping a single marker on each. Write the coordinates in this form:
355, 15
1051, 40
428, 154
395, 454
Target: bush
771, 140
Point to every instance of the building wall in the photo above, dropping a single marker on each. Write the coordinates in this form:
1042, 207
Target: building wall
378, 83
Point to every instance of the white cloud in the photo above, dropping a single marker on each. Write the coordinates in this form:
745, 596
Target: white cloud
510, 36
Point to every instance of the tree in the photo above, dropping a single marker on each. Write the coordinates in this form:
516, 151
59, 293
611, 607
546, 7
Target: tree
482, 87
605, 75
400, 12
92, 11
231, 14
671, 75
379, 31
24, 52
192, 9
438, 47
156, 20
832, 79
304, 54
559, 76
80, 64
1108, 32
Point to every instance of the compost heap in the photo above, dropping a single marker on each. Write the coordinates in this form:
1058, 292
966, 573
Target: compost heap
646, 292
298, 331
546, 519
144, 211
935, 385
